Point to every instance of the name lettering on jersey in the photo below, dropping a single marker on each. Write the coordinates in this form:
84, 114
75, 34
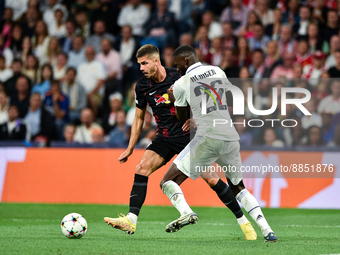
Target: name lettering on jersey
204, 75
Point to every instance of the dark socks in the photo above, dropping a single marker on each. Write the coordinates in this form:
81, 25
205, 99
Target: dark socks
227, 197
138, 193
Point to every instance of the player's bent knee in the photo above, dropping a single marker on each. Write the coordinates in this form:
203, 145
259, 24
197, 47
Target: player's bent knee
142, 169
211, 181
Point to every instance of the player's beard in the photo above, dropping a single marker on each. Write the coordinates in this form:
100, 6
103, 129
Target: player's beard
182, 70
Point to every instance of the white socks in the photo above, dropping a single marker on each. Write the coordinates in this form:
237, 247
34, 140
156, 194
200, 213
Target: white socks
132, 217
242, 220
251, 205
175, 194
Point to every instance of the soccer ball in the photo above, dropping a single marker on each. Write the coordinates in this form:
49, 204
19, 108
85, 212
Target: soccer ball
74, 225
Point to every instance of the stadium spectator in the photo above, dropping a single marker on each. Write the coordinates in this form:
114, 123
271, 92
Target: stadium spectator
334, 72
14, 128
44, 83
110, 118
321, 90
291, 16
256, 69
186, 38
57, 28
148, 132
31, 68
69, 132
287, 44
29, 21
260, 40
236, 14
297, 71
77, 55
38, 119
273, 30
16, 40
327, 127
334, 45
331, 104
66, 40
136, 15
84, 131
119, 136
127, 46
167, 58
97, 135
270, 138
311, 120
229, 40
248, 30
26, 49
214, 28
183, 15
17, 72
303, 56
53, 50
18, 7
6, 26
228, 64
5, 73
313, 72
83, 23
92, 76
336, 139
58, 106
314, 136
332, 25
108, 11
286, 69
59, 69
216, 51
242, 52
99, 34
6, 52
300, 27
111, 60
266, 15
22, 95
49, 13
40, 42
161, 25
75, 93
272, 59
202, 41
246, 138
314, 40
3, 107
319, 13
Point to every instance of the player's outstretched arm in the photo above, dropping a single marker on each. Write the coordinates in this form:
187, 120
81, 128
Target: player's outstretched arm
136, 129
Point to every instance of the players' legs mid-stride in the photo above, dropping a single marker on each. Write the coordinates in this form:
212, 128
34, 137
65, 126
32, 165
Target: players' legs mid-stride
149, 163
170, 186
232, 157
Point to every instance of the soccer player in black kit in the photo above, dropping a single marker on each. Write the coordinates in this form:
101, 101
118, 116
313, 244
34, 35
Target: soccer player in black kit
172, 137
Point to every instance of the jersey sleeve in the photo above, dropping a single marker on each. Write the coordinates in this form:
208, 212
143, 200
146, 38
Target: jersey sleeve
140, 97
180, 95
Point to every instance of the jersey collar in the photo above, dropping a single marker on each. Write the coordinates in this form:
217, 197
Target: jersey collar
192, 67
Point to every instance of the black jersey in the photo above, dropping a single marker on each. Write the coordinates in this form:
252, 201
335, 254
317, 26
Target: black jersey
149, 91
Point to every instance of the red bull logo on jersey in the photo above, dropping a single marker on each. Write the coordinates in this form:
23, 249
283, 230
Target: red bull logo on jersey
164, 99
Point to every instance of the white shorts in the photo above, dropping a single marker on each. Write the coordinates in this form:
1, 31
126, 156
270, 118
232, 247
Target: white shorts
197, 157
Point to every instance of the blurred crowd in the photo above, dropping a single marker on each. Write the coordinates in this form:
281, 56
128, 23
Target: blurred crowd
68, 68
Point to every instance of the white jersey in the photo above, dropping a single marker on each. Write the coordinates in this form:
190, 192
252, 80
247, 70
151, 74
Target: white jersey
196, 88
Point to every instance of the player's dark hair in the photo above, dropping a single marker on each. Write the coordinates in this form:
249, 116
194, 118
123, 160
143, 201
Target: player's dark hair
184, 50
147, 50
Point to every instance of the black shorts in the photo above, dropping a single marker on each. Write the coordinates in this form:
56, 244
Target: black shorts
168, 147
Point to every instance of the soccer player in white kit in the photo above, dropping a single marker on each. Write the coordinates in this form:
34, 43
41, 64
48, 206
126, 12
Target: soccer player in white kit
211, 143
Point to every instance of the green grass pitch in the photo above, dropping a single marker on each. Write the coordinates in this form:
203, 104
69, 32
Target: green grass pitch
35, 229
